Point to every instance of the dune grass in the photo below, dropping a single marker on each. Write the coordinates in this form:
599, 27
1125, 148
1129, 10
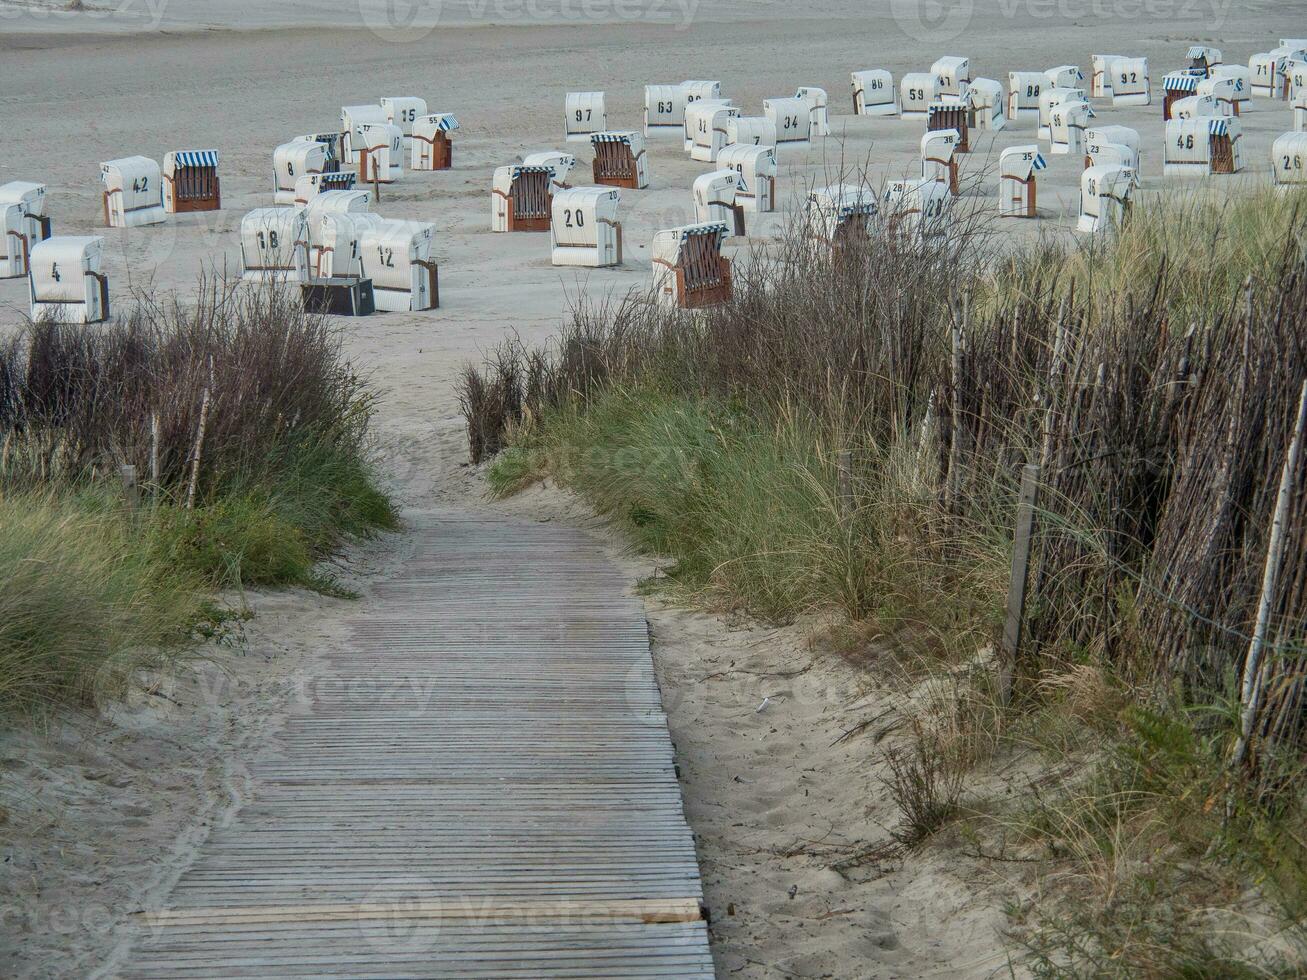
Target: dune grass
271, 527
745, 511
751, 514
1159, 861
1202, 241
96, 590
1153, 375
82, 587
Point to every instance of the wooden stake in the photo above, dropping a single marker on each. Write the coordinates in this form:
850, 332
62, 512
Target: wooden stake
952, 486
1251, 691
154, 453
1055, 362
195, 454
928, 462
128, 473
1014, 625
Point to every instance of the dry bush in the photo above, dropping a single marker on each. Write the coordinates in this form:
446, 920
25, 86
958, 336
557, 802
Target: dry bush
94, 590
1156, 397
78, 402
1160, 446
853, 339
925, 781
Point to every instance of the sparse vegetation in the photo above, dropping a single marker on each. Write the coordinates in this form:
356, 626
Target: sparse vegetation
1162, 863
1155, 380
925, 782
245, 381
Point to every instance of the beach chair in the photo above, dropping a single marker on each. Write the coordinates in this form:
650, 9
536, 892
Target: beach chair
191, 182
584, 230
756, 166
430, 147
715, 200
133, 193
396, 257
584, 115
689, 271
274, 246
874, 93
65, 282
620, 159
1104, 197
1017, 167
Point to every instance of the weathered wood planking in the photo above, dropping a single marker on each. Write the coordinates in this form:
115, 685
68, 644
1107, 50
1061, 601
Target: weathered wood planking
480, 784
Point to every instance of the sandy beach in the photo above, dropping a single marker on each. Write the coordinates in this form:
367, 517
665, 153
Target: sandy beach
90, 832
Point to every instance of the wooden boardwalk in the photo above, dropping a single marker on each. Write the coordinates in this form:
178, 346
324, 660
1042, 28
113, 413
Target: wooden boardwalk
479, 785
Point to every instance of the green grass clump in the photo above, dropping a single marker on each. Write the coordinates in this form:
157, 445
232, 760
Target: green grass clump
748, 511
272, 528
235, 541
85, 601
1171, 865
94, 592
254, 430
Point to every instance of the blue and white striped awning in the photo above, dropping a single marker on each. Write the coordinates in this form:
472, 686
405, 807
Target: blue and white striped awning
1180, 81
445, 121
1196, 52
1218, 127
336, 182
611, 137
1039, 163
705, 227
862, 206
196, 158
531, 169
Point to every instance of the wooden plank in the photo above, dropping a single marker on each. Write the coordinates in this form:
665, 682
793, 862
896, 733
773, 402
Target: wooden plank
680, 910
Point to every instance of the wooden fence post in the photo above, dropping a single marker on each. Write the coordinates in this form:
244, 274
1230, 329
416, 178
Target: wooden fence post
128, 474
953, 479
1250, 696
1014, 624
154, 454
1049, 396
199, 448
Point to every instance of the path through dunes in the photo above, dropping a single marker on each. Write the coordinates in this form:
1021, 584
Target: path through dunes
479, 784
